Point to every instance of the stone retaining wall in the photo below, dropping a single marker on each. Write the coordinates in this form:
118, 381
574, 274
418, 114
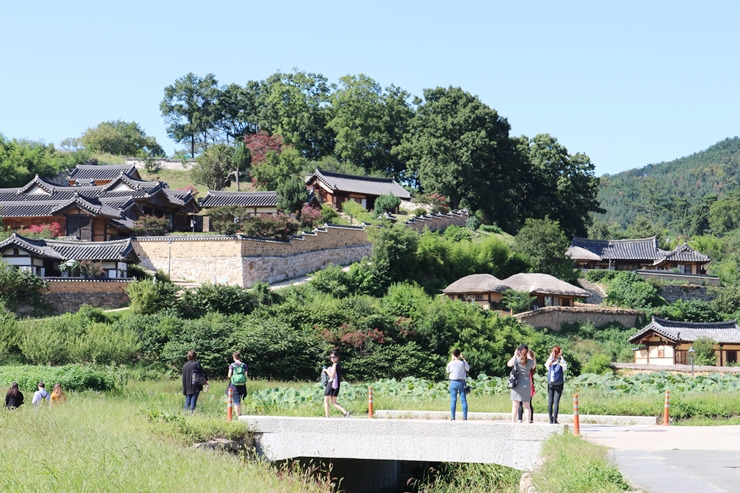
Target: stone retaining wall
554, 316
242, 261
68, 295
438, 222
685, 292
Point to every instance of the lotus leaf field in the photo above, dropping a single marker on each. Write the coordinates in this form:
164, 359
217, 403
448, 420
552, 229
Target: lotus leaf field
647, 389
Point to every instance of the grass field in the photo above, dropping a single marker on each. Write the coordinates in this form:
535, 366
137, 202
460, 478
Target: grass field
101, 442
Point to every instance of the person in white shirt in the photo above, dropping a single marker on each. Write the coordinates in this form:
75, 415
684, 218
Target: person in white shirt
40, 395
556, 367
458, 368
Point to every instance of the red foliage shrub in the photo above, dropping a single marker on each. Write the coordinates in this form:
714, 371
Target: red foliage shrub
260, 144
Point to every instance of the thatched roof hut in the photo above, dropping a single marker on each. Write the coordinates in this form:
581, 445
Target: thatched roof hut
477, 283
544, 284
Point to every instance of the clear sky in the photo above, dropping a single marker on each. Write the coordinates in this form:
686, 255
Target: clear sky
628, 83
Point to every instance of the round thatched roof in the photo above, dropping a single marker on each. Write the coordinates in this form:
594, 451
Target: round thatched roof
477, 283
544, 284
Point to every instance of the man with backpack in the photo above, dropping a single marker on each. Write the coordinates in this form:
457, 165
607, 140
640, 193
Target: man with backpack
238, 377
556, 367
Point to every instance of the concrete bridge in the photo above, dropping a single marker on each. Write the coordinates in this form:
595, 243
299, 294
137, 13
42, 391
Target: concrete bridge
489, 442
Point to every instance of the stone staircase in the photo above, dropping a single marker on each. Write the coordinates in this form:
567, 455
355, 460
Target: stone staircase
597, 292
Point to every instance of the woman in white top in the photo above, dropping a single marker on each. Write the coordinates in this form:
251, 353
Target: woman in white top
458, 368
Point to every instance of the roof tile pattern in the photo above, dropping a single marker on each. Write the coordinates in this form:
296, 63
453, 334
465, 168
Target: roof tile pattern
369, 185
722, 332
245, 199
119, 250
640, 249
102, 172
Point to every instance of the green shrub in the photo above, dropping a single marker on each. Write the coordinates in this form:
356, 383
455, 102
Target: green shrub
629, 290
456, 233
517, 301
209, 336
600, 363
280, 227
386, 203
19, 286
151, 296
104, 344
138, 272
601, 275
704, 347
689, 311
420, 211
491, 228
332, 280
328, 214
208, 298
72, 377
472, 223
151, 226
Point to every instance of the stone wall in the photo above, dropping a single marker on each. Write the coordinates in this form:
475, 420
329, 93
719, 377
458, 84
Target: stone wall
68, 295
438, 222
554, 316
242, 261
174, 164
685, 292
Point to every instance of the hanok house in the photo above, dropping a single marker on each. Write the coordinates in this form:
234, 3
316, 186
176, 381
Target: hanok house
48, 258
253, 203
95, 212
482, 289
641, 254
94, 174
335, 188
665, 342
546, 289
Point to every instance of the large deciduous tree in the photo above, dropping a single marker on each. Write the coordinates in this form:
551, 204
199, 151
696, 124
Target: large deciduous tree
295, 106
369, 122
120, 138
213, 166
189, 108
461, 149
557, 184
544, 244
238, 110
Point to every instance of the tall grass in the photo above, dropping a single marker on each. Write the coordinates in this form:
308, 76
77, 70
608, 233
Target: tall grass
574, 465
105, 442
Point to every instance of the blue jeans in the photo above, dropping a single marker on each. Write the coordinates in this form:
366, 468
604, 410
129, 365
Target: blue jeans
457, 388
190, 401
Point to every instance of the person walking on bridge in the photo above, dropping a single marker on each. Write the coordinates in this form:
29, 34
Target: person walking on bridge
331, 391
458, 368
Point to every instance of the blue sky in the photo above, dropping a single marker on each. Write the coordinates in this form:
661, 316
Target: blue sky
628, 83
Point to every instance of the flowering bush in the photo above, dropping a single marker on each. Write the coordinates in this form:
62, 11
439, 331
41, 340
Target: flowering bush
310, 217
438, 202
43, 230
280, 227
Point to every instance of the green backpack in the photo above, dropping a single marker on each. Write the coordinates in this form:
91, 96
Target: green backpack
237, 376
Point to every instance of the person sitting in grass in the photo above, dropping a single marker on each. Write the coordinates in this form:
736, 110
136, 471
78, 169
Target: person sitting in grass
14, 397
40, 395
238, 377
57, 394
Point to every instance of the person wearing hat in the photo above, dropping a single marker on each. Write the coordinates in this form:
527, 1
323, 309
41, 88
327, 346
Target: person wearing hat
522, 393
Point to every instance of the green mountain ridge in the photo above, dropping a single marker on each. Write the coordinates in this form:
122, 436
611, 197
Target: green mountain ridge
667, 192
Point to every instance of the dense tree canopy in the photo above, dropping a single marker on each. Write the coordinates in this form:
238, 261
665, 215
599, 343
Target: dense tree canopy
121, 139
190, 110
213, 166
460, 148
20, 160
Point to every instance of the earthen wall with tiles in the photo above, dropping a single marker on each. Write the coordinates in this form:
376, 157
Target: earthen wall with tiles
67, 296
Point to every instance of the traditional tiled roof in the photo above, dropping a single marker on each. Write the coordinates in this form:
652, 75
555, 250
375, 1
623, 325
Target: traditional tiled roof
476, 283
244, 199
121, 179
179, 197
682, 253
37, 248
722, 332
119, 250
640, 249
543, 284
43, 208
369, 185
92, 172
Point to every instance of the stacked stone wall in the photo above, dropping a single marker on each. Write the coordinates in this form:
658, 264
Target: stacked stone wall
68, 295
685, 292
554, 317
438, 222
242, 261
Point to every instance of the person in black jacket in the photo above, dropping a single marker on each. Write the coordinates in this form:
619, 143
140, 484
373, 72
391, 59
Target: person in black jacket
14, 397
190, 389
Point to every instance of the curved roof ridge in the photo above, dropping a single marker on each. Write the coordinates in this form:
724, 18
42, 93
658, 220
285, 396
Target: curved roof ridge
678, 323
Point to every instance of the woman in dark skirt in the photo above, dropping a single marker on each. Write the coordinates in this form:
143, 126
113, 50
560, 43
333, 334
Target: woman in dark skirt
332, 387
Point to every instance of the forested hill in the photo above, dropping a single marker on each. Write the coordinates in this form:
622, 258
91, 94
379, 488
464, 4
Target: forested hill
666, 193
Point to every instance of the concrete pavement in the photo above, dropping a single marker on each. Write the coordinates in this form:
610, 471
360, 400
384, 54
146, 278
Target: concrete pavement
675, 459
